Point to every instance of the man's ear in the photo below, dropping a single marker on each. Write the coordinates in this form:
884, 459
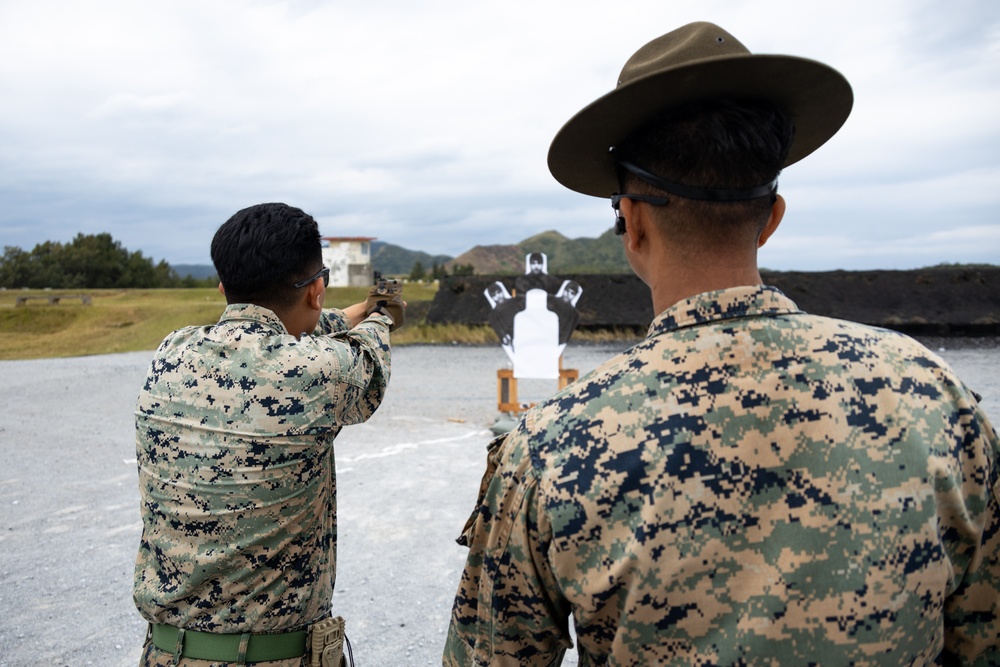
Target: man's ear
635, 230
777, 213
315, 294
222, 289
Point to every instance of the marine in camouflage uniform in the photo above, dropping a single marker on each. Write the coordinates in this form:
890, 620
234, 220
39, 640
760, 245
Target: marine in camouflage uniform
750, 484
235, 425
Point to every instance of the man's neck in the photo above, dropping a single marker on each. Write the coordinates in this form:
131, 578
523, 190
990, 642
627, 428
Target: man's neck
675, 281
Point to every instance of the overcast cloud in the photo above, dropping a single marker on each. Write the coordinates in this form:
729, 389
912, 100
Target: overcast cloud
427, 124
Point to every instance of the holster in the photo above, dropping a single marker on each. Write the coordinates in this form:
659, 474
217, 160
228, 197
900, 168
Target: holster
326, 643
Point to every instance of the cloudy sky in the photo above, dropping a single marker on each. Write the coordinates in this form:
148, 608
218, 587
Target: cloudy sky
427, 123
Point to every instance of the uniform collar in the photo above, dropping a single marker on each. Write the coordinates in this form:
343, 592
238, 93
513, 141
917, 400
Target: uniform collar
725, 304
248, 312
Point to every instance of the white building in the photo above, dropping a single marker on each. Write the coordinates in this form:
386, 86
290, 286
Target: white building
349, 259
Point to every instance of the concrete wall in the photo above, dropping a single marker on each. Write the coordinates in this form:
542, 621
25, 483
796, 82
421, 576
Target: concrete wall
349, 262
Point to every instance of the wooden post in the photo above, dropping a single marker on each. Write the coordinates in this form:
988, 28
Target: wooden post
507, 387
567, 375
507, 391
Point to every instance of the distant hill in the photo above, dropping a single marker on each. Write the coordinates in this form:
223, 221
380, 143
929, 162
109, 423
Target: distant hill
583, 255
604, 254
197, 271
491, 259
393, 260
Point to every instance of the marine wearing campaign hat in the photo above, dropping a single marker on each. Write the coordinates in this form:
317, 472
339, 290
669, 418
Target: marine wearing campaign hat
750, 484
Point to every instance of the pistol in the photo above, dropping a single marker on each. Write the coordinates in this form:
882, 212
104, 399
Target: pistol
388, 287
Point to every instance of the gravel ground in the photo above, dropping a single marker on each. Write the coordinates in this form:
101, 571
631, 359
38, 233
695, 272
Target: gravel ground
69, 520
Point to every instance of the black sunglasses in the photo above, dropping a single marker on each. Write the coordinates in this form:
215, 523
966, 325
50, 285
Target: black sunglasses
616, 200
323, 273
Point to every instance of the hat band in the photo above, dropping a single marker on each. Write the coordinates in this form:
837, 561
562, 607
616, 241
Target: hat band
703, 194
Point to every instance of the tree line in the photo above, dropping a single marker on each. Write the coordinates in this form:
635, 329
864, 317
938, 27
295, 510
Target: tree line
438, 271
89, 261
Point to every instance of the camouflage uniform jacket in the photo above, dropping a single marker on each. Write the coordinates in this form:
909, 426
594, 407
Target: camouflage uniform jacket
749, 485
234, 436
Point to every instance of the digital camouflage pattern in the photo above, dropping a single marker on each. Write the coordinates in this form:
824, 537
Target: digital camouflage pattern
235, 426
749, 485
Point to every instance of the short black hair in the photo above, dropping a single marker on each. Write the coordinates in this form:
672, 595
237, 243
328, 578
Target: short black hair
715, 143
263, 250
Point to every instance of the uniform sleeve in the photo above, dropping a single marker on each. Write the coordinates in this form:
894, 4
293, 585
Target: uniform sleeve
508, 609
331, 320
972, 611
363, 364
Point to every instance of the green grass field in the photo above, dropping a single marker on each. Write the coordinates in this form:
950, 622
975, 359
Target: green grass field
133, 320
119, 320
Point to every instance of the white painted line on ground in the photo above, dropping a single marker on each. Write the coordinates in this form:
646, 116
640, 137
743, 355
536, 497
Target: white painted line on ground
404, 446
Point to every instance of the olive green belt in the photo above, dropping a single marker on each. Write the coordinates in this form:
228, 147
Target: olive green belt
238, 648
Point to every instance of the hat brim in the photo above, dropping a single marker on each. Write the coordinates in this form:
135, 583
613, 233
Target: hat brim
817, 97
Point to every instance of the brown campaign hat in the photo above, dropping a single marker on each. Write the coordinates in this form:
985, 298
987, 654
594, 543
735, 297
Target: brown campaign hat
697, 61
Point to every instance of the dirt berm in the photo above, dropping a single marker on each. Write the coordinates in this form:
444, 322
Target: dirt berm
936, 301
